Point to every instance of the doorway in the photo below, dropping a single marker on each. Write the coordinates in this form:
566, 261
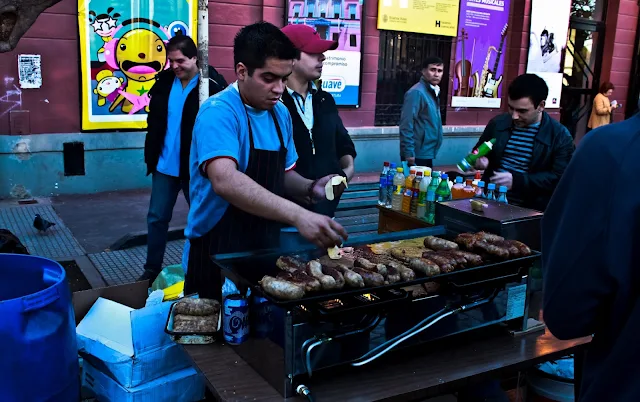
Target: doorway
582, 64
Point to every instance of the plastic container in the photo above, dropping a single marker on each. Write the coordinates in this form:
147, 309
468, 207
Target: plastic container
416, 193
435, 182
430, 214
443, 193
382, 195
39, 351
457, 191
408, 191
476, 179
398, 188
468, 191
390, 175
480, 190
491, 191
502, 195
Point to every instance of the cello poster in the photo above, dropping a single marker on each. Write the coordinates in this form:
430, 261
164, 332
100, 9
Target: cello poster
122, 48
481, 45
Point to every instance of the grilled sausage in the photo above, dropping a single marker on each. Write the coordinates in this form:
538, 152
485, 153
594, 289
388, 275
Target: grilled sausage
366, 264
425, 266
466, 240
514, 251
393, 275
370, 278
406, 254
199, 307
460, 260
314, 268
523, 248
446, 264
335, 274
473, 260
492, 249
289, 264
281, 289
490, 237
309, 283
351, 278
436, 243
195, 324
406, 274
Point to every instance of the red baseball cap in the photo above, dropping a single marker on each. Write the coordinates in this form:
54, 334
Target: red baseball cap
306, 39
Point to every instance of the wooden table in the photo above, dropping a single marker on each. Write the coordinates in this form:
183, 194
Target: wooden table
396, 221
400, 376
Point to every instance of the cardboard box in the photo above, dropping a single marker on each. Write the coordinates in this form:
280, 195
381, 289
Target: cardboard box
125, 340
185, 385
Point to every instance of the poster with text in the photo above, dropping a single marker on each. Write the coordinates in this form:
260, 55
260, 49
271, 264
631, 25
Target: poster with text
436, 17
481, 44
341, 21
122, 48
547, 43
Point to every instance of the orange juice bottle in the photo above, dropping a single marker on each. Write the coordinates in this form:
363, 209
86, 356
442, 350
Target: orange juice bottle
408, 191
469, 191
457, 191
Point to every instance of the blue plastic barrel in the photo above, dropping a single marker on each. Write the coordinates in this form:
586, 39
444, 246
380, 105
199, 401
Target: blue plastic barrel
39, 356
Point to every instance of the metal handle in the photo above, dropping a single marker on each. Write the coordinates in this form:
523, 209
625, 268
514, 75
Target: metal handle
41, 299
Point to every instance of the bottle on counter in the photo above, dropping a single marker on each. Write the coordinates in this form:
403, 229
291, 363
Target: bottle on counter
480, 190
457, 191
443, 193
476, 179
422, 197
502, 194
469, 161
426, 176
417, 181
408, 191
469, 191
435, 181
390, 176
491, 192
430, 214
382, 194
398, 188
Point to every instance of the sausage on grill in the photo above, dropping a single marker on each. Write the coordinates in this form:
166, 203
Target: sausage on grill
406, 274
424, 266
290, 264
446, 264
351, 278
314, 268
281, 289
300, 278
366, 264
370, 278
436, 243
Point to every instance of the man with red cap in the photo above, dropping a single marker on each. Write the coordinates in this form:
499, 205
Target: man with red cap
323, 144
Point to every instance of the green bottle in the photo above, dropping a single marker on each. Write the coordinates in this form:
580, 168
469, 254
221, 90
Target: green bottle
435, 181
469, 161
430, 215
443, 193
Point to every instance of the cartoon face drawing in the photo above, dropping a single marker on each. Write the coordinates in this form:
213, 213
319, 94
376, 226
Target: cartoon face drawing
107, 86
104, 24
141, 54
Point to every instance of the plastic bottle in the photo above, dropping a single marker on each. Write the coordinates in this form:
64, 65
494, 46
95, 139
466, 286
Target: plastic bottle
390, 175
398, 187
422, 197
491, 191
408, 191
502, 195
435, 181
480, 190
443, 193
382, 195
416, 193
469, 191
469, 161
430, 214
426, 176
476, 179
457, 191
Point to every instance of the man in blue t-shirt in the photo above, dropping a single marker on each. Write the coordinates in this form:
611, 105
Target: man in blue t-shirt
242, 164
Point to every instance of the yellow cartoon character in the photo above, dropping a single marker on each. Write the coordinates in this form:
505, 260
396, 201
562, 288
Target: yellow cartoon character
140, 54
107, 87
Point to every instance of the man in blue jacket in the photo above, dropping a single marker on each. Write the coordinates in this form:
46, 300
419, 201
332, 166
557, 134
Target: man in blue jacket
590, 255
420, 120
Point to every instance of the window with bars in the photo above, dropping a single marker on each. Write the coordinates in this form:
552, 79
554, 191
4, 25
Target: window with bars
400, 67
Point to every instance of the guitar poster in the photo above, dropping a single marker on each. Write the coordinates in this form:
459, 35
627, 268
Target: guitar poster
122, 48
481, 44
547, 43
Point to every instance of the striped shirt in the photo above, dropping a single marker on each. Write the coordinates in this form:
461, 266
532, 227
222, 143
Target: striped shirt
519, 149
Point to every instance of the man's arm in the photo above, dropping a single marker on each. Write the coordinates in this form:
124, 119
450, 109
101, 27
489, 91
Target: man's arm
574, 245
410, 108
348, 166
541, 183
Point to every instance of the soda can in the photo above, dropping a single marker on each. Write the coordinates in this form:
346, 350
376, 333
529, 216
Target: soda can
262, 322
236, 319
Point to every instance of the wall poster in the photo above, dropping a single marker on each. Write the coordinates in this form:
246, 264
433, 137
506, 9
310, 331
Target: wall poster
480, 48
341, 21
435, 17
122, 48
547, 44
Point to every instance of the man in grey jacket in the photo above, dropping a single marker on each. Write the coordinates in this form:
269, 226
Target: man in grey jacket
420, 121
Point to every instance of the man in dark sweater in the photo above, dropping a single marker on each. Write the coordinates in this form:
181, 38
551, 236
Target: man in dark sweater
172, 114
531, 151
590, 254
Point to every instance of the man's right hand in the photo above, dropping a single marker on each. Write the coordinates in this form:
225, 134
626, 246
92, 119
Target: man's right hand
320, 230
482, 163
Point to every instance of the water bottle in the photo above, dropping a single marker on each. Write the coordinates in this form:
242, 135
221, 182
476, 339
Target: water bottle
430, 214
398, 190
491, 189
382, 196
502, 194
390, 175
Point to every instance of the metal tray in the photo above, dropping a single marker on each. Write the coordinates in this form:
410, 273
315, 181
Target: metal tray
249, 268
193, 338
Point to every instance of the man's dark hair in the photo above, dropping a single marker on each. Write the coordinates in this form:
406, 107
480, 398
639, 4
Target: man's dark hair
255, 43
529, 86
432, 60
184, 44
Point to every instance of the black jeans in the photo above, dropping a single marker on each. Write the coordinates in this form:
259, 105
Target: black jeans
164, 193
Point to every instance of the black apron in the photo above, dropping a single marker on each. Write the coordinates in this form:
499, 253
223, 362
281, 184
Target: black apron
238, 231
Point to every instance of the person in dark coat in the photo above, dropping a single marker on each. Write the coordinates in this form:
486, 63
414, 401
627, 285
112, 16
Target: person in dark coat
531, 151
172, 114
590, 255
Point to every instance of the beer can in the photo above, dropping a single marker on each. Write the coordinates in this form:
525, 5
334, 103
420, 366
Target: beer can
236, 319
262, 322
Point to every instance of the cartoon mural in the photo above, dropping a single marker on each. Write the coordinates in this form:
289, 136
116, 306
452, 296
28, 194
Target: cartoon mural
123, 47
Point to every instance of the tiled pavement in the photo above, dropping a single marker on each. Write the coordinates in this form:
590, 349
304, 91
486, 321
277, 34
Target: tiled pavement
56, 243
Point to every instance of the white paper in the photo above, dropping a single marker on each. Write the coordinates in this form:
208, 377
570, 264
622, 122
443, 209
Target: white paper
109, 322
30, 70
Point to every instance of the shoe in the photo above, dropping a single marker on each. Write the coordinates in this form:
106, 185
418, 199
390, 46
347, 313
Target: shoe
148, 276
